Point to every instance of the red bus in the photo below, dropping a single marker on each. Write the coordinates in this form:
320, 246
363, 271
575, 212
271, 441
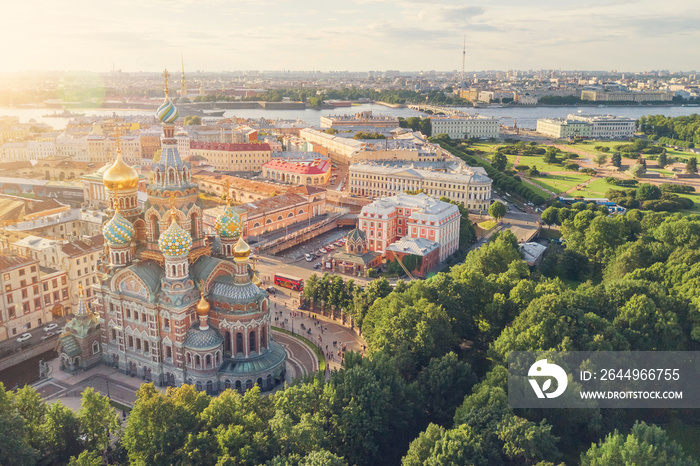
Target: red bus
289, 281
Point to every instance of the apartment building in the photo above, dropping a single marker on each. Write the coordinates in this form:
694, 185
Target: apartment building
387, 220
467, 185
32, 294
232, 156
466, 127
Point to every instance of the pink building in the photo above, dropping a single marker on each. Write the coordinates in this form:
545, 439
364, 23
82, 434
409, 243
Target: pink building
387, 220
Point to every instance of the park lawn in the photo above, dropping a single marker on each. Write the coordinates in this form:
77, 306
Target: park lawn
536, 161
561, 182
589, 146
537, 190
696, 202
485, 146
596, 188
487, 224
663, 171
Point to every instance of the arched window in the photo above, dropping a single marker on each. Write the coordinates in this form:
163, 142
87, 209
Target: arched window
174, 271
251, 341
198, 386
263, 340
210, 386
189, 359
197, 362
269, 381
290, 215
194, 231
256, 225
248, 384
207, 361
301, 211
268, 221
279, 217
238, 385
239, 343
155, 228
227, 384
95, 348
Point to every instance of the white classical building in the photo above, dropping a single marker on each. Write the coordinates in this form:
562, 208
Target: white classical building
466, 127
587, 126
390, 219
455, 180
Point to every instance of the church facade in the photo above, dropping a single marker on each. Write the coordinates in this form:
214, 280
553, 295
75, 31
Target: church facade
170, 309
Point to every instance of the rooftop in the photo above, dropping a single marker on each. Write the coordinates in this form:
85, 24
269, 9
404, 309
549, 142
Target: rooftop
229, 147
415, 246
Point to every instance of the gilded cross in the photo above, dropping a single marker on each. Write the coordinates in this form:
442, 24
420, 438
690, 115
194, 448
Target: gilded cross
166, 75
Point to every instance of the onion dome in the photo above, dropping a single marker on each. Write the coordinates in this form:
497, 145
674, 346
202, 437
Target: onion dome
118, 231
241, 251
120, 176
228, 225
167, 112
203, 307
174, 241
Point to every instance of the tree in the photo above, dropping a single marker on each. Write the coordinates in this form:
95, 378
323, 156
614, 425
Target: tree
61, 431
662, 161
497, 210
550, 216
646, 192
645, 444
15, 447
600, 159
444, 383
98, 420
499, 162
193, 120
550, 157
331, 131
638, 170
691, 166
419, 450
616, 159
86, 458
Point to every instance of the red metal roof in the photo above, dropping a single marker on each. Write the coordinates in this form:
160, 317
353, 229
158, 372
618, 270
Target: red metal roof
317, 167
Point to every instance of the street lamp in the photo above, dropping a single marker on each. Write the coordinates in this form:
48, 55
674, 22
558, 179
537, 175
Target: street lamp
108, 389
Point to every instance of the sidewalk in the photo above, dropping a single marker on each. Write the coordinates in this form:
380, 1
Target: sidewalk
321, 330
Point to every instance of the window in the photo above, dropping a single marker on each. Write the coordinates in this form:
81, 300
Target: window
23, 283
37, 303
63, 280
21, 272
25, 307
24, 294
95, 347
9, 299
46, 286
65, 293
11, 312
54, 283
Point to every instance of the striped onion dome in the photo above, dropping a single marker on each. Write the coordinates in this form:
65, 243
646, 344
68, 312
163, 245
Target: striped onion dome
118, 231
175, 241
167, 112
228, 225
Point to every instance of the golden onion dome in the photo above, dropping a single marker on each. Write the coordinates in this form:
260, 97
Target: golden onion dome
203, 307
120, 176
241, 251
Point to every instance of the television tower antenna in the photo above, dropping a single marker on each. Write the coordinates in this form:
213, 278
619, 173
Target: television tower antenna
464, 55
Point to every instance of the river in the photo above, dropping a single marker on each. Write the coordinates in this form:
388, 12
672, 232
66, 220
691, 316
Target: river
26, 372
526, 117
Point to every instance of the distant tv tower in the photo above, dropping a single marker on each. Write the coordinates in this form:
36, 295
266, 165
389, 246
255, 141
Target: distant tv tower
464, 56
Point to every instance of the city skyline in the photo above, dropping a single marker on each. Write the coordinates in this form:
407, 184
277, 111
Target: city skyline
358, 36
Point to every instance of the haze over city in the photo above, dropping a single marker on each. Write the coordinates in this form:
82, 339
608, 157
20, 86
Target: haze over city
353, 35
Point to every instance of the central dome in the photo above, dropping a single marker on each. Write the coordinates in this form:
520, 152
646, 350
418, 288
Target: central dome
241, 251
120, 176
175, 241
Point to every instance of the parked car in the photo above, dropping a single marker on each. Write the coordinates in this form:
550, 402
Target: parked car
47, 335
50, 327
330, 247
24, 337
308, 257
323, 250
317, 265
271, 290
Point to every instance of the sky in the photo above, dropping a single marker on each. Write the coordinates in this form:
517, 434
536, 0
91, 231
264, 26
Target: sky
352, 35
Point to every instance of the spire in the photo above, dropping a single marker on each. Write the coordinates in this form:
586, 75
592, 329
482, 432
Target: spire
82, 307
183, 83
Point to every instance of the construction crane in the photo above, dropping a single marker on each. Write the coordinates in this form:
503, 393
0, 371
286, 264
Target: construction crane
410, 277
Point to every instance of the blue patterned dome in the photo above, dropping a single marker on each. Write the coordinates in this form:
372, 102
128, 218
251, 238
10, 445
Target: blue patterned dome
118, 231
203, 339
228, 225
167, 112
174, 241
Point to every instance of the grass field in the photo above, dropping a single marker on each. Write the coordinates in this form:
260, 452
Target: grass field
561, 182
662, 171
596, 188
539, 191
696, 202
487, 225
